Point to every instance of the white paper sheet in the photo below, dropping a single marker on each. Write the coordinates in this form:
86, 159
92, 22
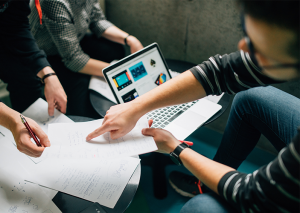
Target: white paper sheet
38, 111
15, 194
97, 181
69, 141
18, 196
214, 98
99, 85
12, 157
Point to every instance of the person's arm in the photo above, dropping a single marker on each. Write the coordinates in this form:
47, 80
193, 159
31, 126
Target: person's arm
18, 42
94, 67
101, 27
11, 120
228, 73
123, 117
205, 169
117, 35
54, 92
272, 188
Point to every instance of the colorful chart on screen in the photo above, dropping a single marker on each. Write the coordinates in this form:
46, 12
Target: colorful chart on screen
122, 80
138, 71
162, 78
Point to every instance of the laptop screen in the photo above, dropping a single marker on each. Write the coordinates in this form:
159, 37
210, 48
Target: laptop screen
138, 75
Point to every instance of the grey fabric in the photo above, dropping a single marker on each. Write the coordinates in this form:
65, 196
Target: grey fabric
65, 22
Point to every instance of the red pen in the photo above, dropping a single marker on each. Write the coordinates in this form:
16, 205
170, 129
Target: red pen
187, 142
30, 130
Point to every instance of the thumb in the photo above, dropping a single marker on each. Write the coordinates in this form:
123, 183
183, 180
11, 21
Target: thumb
148, 132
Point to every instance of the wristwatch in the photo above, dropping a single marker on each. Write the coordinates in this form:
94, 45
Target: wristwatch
175, 154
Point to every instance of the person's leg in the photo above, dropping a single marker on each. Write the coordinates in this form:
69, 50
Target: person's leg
101, 48
206, 203
76, 87
262, 110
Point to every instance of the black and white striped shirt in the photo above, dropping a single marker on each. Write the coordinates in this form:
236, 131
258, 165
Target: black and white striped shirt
230, 73
65, 22
274, 187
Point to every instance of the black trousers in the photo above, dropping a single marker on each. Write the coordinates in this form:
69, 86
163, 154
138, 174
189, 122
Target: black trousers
74, 84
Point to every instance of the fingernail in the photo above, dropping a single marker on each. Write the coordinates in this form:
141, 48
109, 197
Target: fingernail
143, 131
88, 138
47, 144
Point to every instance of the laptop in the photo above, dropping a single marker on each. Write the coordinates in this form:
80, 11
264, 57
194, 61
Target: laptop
141, 72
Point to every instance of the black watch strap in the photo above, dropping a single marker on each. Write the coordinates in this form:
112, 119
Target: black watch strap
125, 40
175, 154
46, 76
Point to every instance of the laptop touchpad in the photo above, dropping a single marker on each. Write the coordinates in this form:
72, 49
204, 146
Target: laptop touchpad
189, 120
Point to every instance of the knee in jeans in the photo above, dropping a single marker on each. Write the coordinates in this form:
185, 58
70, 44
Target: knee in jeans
246, 99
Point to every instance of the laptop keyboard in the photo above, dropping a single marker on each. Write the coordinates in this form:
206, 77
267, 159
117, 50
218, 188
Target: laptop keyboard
163, 116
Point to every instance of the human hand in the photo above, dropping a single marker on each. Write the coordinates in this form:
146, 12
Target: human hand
119, 120
134, 44
22, 138
165, 141
54, 92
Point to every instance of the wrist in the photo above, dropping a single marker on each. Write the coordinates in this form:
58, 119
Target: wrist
172, 145
48, 77
140, 106
9, 117
45, 71
131, 40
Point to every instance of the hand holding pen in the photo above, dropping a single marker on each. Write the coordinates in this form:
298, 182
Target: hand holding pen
23, 138
32, 134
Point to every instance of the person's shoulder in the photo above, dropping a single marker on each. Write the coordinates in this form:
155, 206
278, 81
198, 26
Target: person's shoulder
55, 8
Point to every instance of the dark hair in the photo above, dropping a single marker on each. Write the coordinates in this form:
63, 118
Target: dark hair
282, 13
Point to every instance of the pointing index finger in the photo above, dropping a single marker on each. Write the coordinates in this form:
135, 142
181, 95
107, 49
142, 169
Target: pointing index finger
101, 130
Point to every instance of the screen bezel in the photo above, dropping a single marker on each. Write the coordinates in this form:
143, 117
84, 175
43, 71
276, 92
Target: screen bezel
129, 58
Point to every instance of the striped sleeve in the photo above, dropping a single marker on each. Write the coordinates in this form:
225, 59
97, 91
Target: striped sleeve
230, 73
272, 188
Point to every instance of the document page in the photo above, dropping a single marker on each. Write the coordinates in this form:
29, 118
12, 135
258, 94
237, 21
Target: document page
11, 157
18, 196
99, 85
97, 181
38, 111
69, 141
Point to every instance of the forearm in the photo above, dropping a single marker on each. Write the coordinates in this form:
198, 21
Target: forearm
8, 116
94, 67
184, 88
205, 169
115, 34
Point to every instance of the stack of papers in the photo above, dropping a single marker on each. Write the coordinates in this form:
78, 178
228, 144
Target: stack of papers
69, 141
97, 171
17, 195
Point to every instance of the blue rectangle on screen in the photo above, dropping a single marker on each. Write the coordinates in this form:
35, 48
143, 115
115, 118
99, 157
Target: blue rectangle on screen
122, 79
138, 71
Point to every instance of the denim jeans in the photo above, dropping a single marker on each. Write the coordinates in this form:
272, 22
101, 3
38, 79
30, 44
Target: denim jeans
261, 110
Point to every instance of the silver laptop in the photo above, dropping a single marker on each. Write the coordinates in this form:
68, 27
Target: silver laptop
141, 72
